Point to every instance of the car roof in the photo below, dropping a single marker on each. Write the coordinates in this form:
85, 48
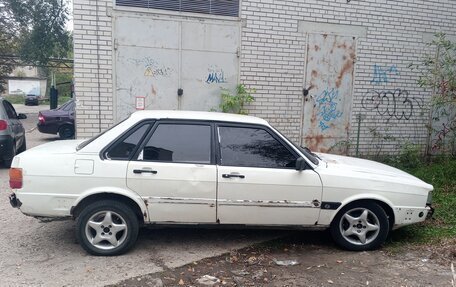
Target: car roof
194, 115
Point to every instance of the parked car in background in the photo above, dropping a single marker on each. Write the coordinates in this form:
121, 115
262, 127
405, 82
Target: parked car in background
59, 121
31, 100
175, 167
12, 133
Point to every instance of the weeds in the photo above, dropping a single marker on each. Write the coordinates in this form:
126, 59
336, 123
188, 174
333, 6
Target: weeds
442, 175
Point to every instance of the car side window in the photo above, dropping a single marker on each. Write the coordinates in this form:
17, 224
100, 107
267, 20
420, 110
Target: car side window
10, 110
124, 148
253, 147
181, 143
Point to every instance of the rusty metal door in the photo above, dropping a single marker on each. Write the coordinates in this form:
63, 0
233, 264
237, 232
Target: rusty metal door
329, 80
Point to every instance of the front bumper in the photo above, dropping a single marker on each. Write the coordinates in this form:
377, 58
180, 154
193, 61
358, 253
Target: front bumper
16, 203
430, 212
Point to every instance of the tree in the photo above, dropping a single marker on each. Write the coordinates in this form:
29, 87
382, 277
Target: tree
33, 30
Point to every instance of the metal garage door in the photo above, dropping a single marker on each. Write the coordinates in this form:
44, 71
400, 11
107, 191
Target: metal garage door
327, 107
154, 57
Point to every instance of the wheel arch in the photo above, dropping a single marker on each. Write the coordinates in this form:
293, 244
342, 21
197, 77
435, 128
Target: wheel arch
382, 202
137, 205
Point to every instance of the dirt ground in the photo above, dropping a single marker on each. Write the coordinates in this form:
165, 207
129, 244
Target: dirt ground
312, 260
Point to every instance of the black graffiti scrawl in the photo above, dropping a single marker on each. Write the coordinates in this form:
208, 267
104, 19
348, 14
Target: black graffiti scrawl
389, 104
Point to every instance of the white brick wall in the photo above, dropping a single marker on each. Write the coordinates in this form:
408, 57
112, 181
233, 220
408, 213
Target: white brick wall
273, 61
93, 66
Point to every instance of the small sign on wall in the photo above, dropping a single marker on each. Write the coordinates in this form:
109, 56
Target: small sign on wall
140, 103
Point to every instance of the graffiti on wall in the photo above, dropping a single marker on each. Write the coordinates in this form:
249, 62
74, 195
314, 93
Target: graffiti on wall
395, 103
215, 75
151, 67
382, 75
327, 107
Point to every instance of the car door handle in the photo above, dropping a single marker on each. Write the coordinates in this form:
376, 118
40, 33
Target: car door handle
232, 175
139, 171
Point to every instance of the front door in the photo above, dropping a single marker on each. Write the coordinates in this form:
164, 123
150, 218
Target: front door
175, 173
258, 183
329, 81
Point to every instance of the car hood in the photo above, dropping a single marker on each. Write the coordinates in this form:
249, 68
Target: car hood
371, 168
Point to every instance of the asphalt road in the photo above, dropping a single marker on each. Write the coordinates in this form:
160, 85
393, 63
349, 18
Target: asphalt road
33, 253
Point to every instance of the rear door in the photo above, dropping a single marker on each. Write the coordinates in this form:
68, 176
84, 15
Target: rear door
257, 180
16, 126
175, 173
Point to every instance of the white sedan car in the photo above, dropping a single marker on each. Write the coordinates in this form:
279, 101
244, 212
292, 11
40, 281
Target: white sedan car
173, 167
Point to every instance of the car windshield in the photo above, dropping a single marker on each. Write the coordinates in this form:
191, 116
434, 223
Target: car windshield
306, 151
86, 142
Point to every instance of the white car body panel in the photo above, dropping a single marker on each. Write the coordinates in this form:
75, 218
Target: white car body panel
56, 177
268, 196
178, 192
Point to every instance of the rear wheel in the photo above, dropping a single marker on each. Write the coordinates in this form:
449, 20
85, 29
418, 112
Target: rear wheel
360, 226
107, 228
66, 132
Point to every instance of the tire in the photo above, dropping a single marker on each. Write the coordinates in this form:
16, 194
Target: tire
66, 132
23, 147
7, 162
116, 238
360, 226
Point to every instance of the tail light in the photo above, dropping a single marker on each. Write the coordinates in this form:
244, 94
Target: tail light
3, 125
15, 175
41, 119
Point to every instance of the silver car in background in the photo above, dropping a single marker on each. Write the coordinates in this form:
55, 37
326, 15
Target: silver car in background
12, 133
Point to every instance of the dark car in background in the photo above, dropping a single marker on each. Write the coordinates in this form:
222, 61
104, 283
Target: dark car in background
12, 133
58, 121
31, 100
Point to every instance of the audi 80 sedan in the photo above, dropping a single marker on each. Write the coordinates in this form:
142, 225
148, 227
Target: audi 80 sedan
174, 167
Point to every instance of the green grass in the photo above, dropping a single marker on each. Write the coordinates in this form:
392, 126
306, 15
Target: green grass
19, 99
15, 99
442, 175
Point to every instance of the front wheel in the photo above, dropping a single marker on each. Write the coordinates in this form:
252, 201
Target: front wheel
107, 228
360, 226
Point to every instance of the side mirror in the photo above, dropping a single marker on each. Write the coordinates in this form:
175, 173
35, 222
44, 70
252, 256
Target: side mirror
21, 116
300, 164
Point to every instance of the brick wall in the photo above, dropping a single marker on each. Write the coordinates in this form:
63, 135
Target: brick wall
93, 66
273, 62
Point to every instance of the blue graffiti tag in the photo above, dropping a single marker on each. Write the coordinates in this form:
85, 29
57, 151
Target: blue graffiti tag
327, 108
382, 75
216, 76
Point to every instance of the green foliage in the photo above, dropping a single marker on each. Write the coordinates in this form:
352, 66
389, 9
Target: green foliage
15, 99
33, 30
410, 156
442, 175
438, 73
38, 28
439, 70
235, 103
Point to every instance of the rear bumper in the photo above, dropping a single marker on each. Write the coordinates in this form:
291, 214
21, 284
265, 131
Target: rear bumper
47, 129
6, 147
31, 102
